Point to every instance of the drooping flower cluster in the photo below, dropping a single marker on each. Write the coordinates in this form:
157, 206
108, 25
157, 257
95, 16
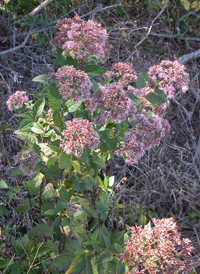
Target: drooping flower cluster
126, 73
113, 103
16, 100
79, 135
82, 38
158, 249
171, 75
148, 132
73, 84
27, 161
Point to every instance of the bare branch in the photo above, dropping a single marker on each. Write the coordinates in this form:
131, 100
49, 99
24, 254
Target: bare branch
187, 57
41, 6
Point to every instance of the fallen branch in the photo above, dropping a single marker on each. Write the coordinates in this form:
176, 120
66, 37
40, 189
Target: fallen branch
187, 57
41, 6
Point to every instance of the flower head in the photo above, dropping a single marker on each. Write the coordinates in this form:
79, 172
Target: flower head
113, 103
126, 73
148, 132
171, 75
73, 84
79, 135
28, 161
158, 250
82, 38
16, 100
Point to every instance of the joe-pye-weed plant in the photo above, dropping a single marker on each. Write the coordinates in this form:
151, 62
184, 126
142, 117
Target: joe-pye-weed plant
83, 116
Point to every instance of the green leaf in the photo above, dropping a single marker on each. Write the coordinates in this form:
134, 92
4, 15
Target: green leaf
157, 97
49, 191
93, 58
26, 136
102, 205
3, 211
138, 102
51, 161
55, 98
26, 125
141, 81
56, 117
65, 161
4, 126
76, 166
40, 251
99, 160
88, 207
64, 195
94, 70
62, 262
30, 186
41, 229
3, 184
38, 179
25, 206
96, 85
37, 128
72, 107
17, 171
77, 265
105, 256
38, 108
43, 78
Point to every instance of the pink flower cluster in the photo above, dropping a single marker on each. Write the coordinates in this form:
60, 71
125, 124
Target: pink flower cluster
82, 38
79, 135
73, 208
126, 73
16, 100
148, 132
171, 75
28, 161
113, 103
158, 250
73, 84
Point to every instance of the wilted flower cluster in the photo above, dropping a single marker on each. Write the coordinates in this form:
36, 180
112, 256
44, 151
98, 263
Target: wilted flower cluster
79, 135
113, 103
148, 132
28, 161
16, 100
171, 75
126, 73
158, 249
73, 208
73, 84
82, 38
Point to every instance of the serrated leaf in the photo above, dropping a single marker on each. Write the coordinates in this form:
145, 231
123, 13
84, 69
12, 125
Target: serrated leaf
141, 81
76, 166
65, 161
56, 117
37, 128
30, 186
157, 97
94, 70
38, 108
26, 125
104, 257
62, 262
64, 195
43, 78
51, 161
41, 229
72, 107
55, 98
26, 136
40, 251
138, 102
25, 206
99, 160
88, 207
77, 264
49, 191
93, 58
